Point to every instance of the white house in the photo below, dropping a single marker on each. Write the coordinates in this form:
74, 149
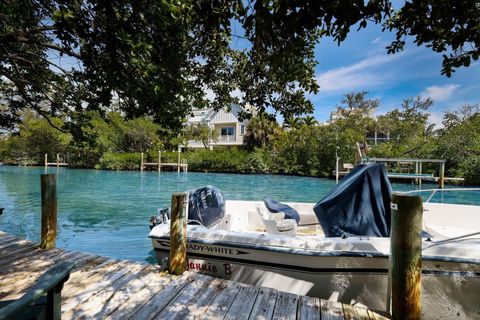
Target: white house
337, 114
230, 129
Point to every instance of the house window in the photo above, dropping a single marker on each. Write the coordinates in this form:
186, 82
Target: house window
228, 131
242, 129
227, 134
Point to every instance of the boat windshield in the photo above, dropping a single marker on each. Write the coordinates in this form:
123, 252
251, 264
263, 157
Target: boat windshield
467, 196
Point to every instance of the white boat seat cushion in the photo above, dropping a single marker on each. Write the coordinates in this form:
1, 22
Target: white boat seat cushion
287, 225
275, 223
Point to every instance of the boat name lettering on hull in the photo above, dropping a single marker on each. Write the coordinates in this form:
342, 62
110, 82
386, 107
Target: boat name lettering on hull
207, 248
207, 267
201, 247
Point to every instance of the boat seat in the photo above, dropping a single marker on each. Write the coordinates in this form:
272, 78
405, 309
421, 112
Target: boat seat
275, 223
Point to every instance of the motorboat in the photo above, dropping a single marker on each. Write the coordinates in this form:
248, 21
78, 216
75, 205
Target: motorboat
321, 256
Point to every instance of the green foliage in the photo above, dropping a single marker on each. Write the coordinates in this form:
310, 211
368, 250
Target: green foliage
409, 131
35, 138
443, 26
155, 58
296, 122
113, 142
116, 134
201, 132
261, 131
219, 160
119, 161
256, 162
356, 105
459, 141
470, 169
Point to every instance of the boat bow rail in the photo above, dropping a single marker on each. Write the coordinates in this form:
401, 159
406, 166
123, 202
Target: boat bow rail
434, 191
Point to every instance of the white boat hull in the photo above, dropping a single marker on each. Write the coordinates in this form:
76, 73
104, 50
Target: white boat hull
352, 270
448, 288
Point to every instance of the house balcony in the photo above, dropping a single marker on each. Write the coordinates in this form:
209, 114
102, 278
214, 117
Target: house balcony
227, 138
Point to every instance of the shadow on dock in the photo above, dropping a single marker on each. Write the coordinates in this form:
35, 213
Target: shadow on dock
102, 288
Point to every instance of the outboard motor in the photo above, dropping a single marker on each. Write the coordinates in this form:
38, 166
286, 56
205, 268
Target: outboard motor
206, 206
163, 215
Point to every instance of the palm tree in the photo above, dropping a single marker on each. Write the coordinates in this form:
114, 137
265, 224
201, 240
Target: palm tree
260, 131
293, 122
310, 121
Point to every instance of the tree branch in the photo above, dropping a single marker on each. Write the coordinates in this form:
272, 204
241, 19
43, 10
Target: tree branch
12, 38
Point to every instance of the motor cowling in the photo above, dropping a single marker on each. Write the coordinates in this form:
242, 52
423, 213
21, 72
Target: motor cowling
206, 206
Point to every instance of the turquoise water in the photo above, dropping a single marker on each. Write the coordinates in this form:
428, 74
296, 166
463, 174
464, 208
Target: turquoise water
107, 212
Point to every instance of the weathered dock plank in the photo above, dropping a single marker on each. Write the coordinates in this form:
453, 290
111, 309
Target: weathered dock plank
332, 310
102, 288
201, 304
241, 307
286, 306
308, 308
264, 304
221, 304
18, 277
130, 304
96, 305
180, 304
163, 297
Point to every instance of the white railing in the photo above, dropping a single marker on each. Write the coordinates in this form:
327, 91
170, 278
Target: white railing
434, 191
227, 138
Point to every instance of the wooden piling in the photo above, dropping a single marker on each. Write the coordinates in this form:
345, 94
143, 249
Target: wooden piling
420, 172
159, 160
337, 173
58, 160
46, 160
441, 175
178, 233
178, 159
141, 161
49, 211
406, 256
416, 172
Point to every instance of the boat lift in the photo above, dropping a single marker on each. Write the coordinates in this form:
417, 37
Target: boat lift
418, 175
362, 157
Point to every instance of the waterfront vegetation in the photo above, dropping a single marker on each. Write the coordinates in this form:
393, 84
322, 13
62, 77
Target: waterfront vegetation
134, 70
299, 146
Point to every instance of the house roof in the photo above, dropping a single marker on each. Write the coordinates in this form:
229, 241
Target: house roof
212, 116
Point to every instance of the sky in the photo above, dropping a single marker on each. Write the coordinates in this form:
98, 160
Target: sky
361, 63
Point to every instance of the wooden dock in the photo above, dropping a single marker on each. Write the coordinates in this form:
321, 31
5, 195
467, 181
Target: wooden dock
58, 163
103, 288
180, 164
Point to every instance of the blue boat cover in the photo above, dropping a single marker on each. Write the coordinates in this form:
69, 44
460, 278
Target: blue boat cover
359, 205
206, 205
275, 206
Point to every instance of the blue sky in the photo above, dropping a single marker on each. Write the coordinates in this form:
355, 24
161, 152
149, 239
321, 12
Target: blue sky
361, 64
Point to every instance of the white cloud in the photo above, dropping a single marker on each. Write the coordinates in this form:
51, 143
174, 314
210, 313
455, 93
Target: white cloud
377, 40
210, 95
237, 94
440, 93
436, 119
364, 74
